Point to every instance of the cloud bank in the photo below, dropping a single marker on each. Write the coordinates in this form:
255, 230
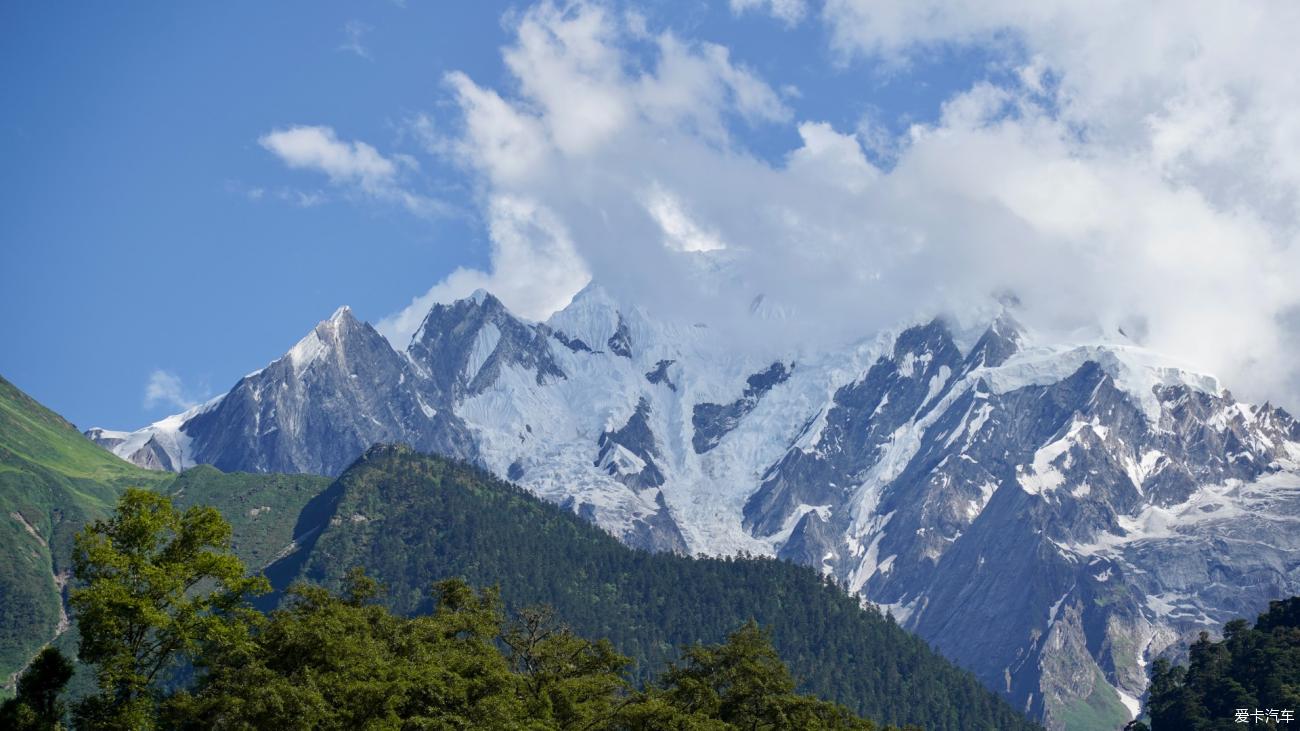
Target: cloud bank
1140, 171
165, 388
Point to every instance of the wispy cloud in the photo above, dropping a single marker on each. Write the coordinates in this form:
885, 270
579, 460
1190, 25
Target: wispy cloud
353, 166
165, 388
789, 12
353, 32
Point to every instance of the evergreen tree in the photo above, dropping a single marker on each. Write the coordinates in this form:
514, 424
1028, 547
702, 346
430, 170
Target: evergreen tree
1250, 669
743, 684
36, 706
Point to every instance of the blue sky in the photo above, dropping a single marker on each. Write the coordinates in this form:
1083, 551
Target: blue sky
188, 189
128, 230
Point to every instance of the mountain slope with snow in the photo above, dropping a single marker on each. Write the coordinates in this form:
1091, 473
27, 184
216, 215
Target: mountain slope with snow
1051, 516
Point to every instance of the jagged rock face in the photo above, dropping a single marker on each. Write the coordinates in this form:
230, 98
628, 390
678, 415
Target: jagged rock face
711, 422
1005, 526
660, 374
339, 391
620, 343
461, 348
629, 454
1050, 517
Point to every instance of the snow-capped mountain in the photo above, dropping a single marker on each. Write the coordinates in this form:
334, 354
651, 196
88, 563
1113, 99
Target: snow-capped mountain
1052, 517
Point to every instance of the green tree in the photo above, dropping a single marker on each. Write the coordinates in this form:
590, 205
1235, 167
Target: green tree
155, 587
744, 684
565, 680
1250, 668
342, 661
36, 706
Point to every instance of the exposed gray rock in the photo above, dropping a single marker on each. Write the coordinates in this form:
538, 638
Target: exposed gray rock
629, 453
318, 408
660, 374
620, 343
574, 344
711, 422
461, 348
1011, 533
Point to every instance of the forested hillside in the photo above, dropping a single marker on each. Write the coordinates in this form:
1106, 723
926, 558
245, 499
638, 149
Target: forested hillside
1255, 670
53, 481
157, 588
412, 520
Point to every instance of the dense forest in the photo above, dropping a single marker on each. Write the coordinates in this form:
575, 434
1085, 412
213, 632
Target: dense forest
158, 588
1251, 676
411, 520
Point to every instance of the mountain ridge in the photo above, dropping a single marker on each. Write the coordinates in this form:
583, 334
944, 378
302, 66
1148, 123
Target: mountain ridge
899, 465
412, 519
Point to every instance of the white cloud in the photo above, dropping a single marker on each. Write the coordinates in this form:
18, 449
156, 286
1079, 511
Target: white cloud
583, 107
791, 12
355, 166
536, 269
1142, 169
681, 232
166, 389
353, 31
318, 148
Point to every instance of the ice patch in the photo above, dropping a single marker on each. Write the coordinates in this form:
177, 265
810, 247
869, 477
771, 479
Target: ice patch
305, 352
1133, 705
1136, 371
1042, 476
485, 344
428, 410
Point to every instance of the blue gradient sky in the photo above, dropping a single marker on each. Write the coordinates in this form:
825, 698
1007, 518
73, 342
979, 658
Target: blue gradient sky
133, 238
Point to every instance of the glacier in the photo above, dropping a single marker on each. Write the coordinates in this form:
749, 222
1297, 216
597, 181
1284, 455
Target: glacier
1050, 515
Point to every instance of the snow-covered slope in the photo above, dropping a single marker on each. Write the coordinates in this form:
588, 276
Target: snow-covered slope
1051, 516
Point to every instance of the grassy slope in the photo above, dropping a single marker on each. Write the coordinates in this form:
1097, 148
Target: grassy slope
262, 509
1100, 711
411, 519
53, 481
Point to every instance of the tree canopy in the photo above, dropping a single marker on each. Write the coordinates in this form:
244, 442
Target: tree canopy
160, 589
1250, 670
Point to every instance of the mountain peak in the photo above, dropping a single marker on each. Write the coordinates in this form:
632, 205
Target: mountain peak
592, 316
594, 295
480, 306
1002, 339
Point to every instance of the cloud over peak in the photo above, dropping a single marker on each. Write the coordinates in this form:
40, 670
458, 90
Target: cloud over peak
1136, 169
165, 388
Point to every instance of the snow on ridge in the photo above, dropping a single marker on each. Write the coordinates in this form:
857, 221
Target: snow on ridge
305, 352
1206, 505
168, 433
1136, 371
591, 316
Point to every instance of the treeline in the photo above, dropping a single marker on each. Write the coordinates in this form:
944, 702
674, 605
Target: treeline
1251, 676
411, 519
159, 591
